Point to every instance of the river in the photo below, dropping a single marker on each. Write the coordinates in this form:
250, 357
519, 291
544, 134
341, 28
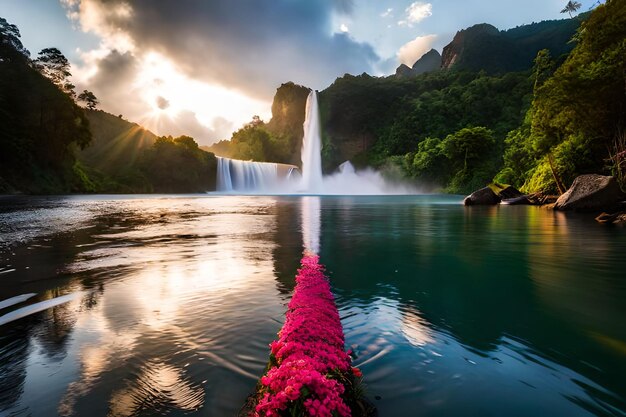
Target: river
171, 302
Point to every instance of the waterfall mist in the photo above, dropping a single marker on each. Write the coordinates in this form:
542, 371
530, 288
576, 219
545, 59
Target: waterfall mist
247, 177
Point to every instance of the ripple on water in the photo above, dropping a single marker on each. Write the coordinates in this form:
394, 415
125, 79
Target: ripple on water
449, 310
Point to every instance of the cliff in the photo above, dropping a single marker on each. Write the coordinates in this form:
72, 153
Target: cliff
288, 112
430, 61
484, 47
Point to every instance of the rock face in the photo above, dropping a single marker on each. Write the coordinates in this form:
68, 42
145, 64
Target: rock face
455, 50
288, 108
430, 61
403, 71
483, 197
483, 47
591, 192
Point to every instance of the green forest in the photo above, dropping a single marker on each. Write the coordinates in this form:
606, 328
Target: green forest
49, 144
536, 124
536, 118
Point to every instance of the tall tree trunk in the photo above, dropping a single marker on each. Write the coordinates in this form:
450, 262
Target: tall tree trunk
558, 182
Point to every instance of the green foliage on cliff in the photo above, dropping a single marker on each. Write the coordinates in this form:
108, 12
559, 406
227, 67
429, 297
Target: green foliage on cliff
285, 127
279, 140
483, 47
578, 113
252, 142
372, 121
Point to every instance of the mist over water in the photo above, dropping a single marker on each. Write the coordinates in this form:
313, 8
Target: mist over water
248, 177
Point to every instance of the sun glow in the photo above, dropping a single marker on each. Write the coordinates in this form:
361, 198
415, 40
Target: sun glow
169, 93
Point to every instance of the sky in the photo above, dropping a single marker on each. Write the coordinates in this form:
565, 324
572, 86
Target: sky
204, 68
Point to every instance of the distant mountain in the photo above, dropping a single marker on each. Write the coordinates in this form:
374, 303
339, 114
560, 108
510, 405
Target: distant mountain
221, 148
116, 143
403, 71
484, 47
430, 61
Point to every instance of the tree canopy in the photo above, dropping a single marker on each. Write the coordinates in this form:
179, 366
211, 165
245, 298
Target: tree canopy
41, 126
89, 98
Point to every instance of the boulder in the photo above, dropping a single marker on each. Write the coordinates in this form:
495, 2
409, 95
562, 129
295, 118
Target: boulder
483, 197
591, 192
505, 191
510, 192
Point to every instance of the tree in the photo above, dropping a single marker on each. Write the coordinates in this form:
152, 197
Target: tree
178, 165
55, 66
468, 146
578, 111
429, 162
571, 7
10, 39
543, 68
89, 98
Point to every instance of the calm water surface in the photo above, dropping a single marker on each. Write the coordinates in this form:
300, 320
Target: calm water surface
171, 302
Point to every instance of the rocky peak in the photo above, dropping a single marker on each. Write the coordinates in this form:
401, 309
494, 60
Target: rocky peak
430, 61
403, 71
453, 51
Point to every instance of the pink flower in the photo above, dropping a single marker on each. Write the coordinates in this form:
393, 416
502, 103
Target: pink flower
310, 349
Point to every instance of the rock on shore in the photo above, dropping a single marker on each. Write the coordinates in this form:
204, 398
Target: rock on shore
591, 192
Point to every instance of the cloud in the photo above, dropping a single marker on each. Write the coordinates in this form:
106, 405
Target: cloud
416, 12
213, 64
387, 13
413, 50
344, 6
162, 103
186, 123
344, 28
115, 79
110, 75
249, 45
222, 128
386, 66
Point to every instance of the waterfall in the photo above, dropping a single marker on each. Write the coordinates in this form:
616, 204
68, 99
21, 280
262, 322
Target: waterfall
224, 179
249, 176
312, 147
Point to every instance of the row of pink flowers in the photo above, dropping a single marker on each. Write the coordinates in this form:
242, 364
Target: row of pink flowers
308, 361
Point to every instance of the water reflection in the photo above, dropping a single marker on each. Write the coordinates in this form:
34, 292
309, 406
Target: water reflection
485, 291
288, 245
452, 311
311, 227
158, 387
179, 304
